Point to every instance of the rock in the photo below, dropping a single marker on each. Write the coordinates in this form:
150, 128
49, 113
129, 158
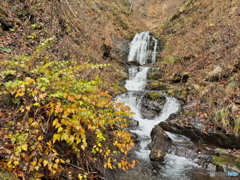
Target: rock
133, 63
152, 105
215, 74
155, 73
159, 145
134, 123
196, 130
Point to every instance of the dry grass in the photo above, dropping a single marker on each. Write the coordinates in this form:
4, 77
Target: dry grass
202, 37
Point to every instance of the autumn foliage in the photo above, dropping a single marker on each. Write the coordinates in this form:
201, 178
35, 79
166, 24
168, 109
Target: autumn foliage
55, 124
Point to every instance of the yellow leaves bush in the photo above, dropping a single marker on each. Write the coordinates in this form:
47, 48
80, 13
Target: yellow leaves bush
64, 124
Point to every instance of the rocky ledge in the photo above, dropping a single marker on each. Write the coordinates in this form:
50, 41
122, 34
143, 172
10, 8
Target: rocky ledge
195, 125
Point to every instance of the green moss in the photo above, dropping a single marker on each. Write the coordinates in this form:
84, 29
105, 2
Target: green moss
154, 95
190, 113
118, 88
222, 160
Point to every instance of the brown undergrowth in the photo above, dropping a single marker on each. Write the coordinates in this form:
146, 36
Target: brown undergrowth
201, 43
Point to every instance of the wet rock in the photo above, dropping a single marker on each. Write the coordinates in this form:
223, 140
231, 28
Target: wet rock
134, 123
198, 131
159, 145
133, 63
152, 104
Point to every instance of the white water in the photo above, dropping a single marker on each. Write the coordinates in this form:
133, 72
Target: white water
143, 48
137, 80
136, 83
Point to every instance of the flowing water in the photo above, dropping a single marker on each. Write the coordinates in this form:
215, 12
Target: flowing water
143, 49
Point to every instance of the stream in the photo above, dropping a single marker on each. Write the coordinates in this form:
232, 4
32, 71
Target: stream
182, 160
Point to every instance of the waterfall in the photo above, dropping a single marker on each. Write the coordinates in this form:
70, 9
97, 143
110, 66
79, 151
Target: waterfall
143, 48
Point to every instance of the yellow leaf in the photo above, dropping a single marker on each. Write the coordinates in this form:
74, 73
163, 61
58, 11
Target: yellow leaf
37, 104
19, 94
62, 161
24, 147
119, 165
40, 138
33, 163
28, 107
34, 124
80, 176
53, 171
15, 163
55, 122
45, 162
55, 166
56, 137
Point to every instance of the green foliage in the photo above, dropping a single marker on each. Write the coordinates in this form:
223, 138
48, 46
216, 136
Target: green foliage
63, 123
6, 50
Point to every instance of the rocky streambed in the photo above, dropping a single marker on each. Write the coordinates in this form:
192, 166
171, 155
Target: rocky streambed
182, 147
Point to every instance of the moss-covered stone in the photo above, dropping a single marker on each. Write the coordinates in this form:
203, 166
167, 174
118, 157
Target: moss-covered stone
154, 95
227, 160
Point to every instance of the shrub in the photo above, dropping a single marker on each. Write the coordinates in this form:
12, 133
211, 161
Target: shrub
59, 124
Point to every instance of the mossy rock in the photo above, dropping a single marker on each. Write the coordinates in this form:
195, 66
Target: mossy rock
157, 85
227, 160
180, 93
154, 95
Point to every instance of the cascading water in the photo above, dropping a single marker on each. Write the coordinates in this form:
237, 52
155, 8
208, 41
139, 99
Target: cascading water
143, 49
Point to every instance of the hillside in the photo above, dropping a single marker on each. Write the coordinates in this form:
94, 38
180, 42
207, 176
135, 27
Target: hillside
200, 58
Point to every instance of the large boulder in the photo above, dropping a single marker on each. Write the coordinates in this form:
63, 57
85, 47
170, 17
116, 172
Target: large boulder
152, 104
159, 145
196, 125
